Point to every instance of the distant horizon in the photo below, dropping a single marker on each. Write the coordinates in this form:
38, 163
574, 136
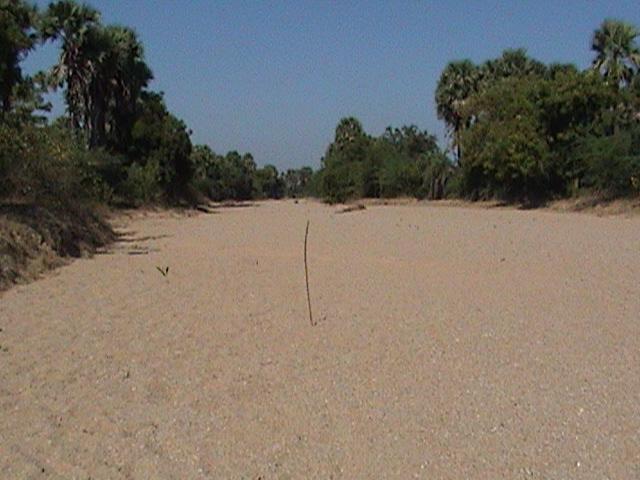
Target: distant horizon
274, 79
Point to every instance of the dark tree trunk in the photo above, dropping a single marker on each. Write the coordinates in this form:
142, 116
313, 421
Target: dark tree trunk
97, 121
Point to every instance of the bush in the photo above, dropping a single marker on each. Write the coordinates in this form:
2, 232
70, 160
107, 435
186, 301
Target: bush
611, 163
400, 176
142, 184
160, 138
341, 182
267, 183
437, 171
298, 182
48, 164
455, 184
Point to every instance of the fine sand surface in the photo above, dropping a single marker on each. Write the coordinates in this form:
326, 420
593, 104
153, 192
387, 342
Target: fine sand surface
451, 343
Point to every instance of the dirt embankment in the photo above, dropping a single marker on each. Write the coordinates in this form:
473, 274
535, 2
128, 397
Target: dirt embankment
35, 239
588, 204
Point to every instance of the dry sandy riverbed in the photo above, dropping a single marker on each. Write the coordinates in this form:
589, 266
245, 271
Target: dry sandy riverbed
452, 343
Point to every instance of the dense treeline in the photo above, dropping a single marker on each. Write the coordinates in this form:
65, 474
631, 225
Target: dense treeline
117, 142
528, 131
402, 161
236, 177
520, 130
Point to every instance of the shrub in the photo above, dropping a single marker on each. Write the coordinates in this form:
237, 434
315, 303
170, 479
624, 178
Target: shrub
50, 165
267, 183
159, 137
142, 184
399, 176
436, 171
611, 163
298, 182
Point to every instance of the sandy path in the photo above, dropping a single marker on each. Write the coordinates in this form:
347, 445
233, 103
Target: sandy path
452, 343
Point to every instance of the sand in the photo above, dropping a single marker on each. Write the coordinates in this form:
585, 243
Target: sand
451, 343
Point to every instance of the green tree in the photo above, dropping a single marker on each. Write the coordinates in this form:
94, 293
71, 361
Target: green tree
297, 181
572, 106
358, 165
556, 69
397, 175
202, 159
436, 171
410, 141
125, 75
158, 136
18, 36
346, 166
74, 25
617, 53
458, 82
506, 152
268, 183
401, 156
348, 131
512, 63
526, 133
232, 177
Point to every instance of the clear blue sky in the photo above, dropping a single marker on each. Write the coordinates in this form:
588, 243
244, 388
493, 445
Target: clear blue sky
274, 78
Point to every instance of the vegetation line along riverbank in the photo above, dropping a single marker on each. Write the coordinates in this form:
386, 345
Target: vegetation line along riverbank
518, 130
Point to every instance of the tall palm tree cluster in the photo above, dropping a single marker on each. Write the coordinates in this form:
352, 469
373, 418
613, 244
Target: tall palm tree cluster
550, 126
617, 53
101, 67
518, 125
462, 79
130, 141
617, 59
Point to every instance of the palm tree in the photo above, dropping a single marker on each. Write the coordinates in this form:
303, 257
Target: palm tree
556, 69
103, 69
73, 24
512, 63
347, 131
458, 81
130, 75
617, 54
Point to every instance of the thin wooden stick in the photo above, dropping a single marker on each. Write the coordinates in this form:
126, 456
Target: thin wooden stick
306, 273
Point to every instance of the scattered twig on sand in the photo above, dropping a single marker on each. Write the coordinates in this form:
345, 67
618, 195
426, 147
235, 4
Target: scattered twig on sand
352, 208
306, 273
164, 271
